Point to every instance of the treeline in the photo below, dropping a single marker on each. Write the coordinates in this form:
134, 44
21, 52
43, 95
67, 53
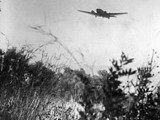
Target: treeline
32, 90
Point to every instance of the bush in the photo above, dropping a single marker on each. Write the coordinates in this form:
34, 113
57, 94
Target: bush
35, 90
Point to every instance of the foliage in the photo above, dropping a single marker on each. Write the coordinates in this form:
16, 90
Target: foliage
23, 84
28, 90
119, 102
33, 90
143, 105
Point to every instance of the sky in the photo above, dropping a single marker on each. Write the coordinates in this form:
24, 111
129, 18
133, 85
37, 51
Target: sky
92, 41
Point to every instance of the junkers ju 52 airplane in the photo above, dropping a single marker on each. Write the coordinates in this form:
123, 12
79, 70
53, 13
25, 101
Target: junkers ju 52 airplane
101, 13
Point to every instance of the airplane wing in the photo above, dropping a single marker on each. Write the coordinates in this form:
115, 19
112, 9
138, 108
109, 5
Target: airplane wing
117, 13
87, 12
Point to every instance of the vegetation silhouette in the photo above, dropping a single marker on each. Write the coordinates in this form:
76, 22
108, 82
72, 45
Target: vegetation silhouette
36, 90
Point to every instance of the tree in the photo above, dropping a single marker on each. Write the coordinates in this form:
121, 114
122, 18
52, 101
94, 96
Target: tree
106, 89
143, 104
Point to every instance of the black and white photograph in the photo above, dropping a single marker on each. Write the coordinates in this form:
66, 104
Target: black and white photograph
79, 60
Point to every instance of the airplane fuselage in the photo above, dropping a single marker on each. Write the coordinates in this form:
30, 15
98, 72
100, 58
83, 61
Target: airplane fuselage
102, 13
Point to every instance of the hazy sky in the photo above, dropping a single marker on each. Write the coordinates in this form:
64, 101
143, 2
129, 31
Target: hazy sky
99, 39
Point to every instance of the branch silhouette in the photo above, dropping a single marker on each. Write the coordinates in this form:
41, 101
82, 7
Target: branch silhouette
55, 39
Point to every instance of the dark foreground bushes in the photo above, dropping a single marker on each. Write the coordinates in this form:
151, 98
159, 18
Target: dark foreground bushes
36, 90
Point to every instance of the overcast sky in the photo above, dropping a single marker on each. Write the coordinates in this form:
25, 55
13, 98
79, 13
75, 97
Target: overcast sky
99, 39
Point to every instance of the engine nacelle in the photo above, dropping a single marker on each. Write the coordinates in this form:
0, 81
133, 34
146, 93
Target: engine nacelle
92, 12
